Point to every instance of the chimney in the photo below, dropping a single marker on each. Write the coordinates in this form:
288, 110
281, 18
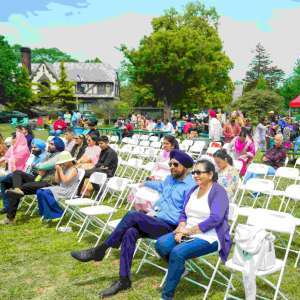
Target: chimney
26, 58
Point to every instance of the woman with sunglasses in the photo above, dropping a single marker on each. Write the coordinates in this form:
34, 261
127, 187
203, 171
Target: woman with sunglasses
91, 154
203, 226
228, 175
79, 146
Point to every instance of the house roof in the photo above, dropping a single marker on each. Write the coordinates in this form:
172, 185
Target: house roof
86, 72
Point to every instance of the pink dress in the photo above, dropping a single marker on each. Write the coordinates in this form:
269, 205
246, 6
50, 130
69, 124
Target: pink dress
17, 154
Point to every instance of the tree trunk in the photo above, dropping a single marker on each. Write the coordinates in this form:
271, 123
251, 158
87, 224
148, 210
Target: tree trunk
167, 109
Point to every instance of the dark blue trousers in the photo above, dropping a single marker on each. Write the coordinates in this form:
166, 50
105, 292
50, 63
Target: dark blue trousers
133, 226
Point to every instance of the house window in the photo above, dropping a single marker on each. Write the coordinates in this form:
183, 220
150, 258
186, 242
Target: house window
109, 88
101, 89
81, 88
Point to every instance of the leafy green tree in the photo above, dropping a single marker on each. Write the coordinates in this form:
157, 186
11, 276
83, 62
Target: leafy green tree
291, 87
261, 66
262, 83
94, 60
257, 102
64, 94
182, 61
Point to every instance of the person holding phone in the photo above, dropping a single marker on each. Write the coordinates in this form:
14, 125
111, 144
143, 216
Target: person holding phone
203, 226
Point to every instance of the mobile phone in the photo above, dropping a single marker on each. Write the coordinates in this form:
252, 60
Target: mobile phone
187, 239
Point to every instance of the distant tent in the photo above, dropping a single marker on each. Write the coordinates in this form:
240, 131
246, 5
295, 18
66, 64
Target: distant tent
295, 103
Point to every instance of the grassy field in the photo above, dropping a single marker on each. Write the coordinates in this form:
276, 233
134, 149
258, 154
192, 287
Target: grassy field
35, 263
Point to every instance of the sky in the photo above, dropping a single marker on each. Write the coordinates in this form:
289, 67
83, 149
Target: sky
89, 28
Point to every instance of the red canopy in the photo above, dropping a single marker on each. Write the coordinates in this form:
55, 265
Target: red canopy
295, 102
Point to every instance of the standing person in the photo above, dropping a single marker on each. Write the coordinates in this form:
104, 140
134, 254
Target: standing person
135, 225
242, 147
215, 127
260, 134
228, 132
17, 154
67, 118
74, 120
66, 176
203, 227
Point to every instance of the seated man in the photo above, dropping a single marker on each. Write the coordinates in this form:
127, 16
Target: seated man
135, 225
27, 184
275, 157
70, 141
107, 162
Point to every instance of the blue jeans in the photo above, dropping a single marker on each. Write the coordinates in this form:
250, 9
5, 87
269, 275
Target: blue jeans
5, 183
177, 254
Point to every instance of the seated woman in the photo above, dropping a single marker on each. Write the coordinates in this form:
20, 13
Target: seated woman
66, 175
91, 153
3, 149
228, 176
79, 147
243, 148
203, 226
161, 168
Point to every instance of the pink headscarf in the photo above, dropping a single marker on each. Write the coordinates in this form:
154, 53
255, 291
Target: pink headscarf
17, 154
212, 113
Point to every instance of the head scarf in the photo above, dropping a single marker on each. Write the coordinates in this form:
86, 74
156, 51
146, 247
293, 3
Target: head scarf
59, 144
183, 158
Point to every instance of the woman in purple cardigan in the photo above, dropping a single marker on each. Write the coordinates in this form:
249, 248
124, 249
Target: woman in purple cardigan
203, 226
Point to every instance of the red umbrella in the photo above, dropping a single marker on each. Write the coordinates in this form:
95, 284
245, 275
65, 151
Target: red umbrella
295, 102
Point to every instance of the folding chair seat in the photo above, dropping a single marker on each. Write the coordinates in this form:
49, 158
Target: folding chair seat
277, 223
72, 205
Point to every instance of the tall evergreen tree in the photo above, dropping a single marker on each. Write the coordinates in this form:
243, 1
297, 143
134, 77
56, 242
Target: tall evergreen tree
261, 66
64, 94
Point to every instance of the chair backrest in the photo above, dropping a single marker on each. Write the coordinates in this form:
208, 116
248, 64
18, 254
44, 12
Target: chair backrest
184, 147
135, 162
81, 173
136, 137
144, 143
187, 143
297, 162
114, 147
238, 164
114, 139
286, 172
98, 178
154, 138
144, 137
233, 211
272, 220
211, 150
197, 147
133, 141
293, 192
259, 185
118, 183
156, 145
259, 169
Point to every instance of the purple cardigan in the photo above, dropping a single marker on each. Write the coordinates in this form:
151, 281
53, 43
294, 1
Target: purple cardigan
218, 219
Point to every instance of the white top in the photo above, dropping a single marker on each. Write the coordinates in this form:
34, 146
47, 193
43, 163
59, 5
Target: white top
197, 211
215, 129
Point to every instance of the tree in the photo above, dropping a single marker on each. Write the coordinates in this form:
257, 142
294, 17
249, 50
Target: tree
261, 66
15, 84
94, 60
182, 60
291, 87
64, 94
256, 103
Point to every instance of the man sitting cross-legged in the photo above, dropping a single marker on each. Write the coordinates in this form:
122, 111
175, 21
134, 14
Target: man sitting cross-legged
135, 225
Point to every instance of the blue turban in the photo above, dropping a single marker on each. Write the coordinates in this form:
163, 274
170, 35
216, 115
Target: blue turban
183, 158
59, 144
39, 144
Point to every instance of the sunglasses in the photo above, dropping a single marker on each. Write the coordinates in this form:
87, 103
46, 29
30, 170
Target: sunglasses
198, 172
175, 164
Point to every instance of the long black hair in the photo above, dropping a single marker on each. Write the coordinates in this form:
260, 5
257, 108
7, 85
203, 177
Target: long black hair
222, 154
209, 167
172, 140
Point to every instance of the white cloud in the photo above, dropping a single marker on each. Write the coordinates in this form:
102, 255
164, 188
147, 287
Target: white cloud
99, 39
282, 42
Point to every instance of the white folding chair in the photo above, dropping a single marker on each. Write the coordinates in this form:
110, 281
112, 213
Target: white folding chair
287, 173
144, 143
297, 162
211, 150
237, 164
114, 139
153, 138
277, 223
156, 145
196, 150
73, 204
117, 186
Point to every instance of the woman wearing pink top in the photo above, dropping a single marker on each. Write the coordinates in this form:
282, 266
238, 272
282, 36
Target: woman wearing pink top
243, 149
17, 154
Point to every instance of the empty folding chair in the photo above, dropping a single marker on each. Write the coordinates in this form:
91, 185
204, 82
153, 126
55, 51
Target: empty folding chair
196, 149
114, 139
277, 223
144, 143
156, 145
117, 187
154, 138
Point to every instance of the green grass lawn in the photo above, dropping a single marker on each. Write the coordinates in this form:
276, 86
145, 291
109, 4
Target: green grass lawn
35, 263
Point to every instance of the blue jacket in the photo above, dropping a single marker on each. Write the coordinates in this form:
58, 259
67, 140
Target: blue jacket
173, 192
219, 208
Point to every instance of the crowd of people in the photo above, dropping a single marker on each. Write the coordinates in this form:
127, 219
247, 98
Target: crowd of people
190, 218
